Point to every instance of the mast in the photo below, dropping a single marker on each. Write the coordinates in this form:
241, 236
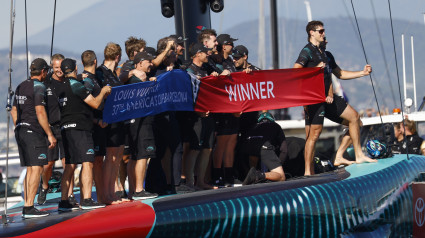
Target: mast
414, 74
308, 9
9, 106
261, 37
404, 68
274, 34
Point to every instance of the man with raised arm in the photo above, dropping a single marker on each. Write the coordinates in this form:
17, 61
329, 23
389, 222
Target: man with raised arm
335, 108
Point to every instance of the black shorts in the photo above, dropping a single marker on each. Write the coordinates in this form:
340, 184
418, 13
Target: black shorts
142, 139
99, 140
226, 124
78, 146
206, 140
58, 152
316, 113
115, 134
32, 147
269, 157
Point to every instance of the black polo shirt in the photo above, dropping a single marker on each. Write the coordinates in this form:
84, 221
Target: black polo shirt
107, 77
76, 114
197, 71
92, 84
28, 95
125, 70
311, 56
53, 111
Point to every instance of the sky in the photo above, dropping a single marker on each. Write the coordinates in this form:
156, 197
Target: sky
40, 12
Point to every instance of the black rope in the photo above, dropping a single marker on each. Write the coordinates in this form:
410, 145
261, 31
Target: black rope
53, 32
383, 53
367, 62
26, 38
398, 77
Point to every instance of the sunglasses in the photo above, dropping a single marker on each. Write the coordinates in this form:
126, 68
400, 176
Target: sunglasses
321, 31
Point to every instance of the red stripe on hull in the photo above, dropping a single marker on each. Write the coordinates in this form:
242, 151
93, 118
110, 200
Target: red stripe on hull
131, 219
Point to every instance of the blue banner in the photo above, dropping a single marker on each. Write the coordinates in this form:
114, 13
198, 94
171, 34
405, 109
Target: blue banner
171, 92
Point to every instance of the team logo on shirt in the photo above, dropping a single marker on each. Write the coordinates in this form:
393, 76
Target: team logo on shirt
150, 148
322, 114
90, 152
42, 156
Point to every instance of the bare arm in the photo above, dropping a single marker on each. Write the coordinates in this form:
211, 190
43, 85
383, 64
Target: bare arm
159, 58
298, 66
94, 102
44, 123
345, 74
14, 114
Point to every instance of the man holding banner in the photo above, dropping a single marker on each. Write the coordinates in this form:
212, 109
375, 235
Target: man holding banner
141, 134
335, 108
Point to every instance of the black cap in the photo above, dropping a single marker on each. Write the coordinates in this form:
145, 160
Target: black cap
38, 64
179, 39
151, 51
68, 65
239, 51
198, 47
142, 56
225, 39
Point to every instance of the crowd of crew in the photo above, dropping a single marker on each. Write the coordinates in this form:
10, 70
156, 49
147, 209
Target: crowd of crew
161, 154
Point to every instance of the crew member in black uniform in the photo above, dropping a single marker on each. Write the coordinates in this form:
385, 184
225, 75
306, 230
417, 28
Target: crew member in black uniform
31, 127
247, 120
141, 134
115, 133
77, 124
89, 60
198, 127
167, 131
266, 142
413, 142
53, 82
227, 124
335, 108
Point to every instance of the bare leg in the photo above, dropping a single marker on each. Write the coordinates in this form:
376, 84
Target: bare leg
71, 186
31, 183
313, 133
86, 179
47, 173
229, 153
140, 172
276, 174
98, 178
339, 159
354, 123
110, 172
219, 151
68, 175
190, 166
131, 167
202, 164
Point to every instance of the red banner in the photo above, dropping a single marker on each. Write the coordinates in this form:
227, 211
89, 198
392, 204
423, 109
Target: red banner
261, 90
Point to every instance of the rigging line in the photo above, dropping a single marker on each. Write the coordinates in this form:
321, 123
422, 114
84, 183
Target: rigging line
383, 52
367, 62
9, 103
26, 38
398, 77
53, 32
